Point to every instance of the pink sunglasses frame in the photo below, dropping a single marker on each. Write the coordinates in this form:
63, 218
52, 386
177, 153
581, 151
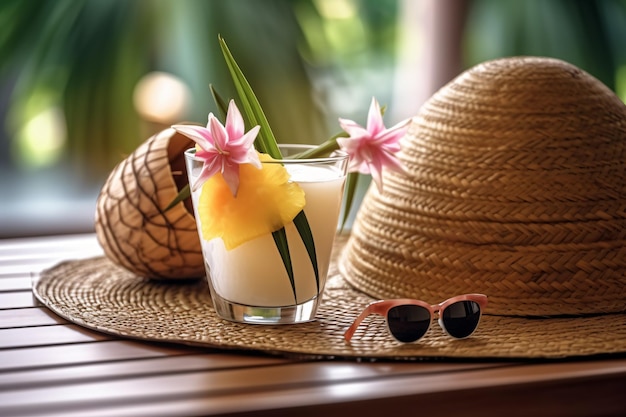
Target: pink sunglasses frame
382, 307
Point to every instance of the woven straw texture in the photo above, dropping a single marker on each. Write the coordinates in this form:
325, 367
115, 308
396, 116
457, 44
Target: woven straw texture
515, 187
132, 226
100, 295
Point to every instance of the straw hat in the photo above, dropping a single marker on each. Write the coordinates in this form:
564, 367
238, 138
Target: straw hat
514, 187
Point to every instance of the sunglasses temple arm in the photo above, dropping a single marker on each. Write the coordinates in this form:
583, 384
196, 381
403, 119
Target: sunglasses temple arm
350, 332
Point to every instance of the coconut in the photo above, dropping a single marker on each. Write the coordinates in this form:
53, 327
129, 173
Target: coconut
132, 225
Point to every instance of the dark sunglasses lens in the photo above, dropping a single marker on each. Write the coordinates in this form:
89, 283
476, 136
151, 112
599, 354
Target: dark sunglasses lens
461, 319
408, 323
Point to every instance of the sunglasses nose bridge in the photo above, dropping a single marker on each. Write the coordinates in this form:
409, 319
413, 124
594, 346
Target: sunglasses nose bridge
442, 325
438, 313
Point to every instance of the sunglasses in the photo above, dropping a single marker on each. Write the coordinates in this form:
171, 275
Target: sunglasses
409, 320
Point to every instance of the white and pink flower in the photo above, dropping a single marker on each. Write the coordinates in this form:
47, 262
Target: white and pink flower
223, 147
373, 148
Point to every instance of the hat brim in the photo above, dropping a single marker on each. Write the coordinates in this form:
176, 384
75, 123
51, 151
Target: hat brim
99, 295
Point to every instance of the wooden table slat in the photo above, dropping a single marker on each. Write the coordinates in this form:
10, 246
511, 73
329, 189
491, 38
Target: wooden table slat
18, 299
21, 257
73, 354
22, 283
48, 335
194, 361
298, 385
501, 401
223, 382
27, 317
26, 269
58, 246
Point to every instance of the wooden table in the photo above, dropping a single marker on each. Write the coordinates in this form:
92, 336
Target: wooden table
51, 367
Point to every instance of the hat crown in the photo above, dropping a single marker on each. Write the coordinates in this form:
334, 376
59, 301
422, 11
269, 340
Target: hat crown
514, 187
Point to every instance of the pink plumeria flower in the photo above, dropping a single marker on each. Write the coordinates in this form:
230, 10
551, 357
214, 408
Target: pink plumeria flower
373, 148
223, 148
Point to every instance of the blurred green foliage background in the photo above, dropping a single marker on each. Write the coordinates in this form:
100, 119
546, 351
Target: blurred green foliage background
82, 60
70, 69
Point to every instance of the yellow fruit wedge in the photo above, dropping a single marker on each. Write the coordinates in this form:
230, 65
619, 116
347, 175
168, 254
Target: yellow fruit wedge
266, 201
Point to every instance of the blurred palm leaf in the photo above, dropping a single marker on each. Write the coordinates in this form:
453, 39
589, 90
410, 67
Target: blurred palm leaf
90, 55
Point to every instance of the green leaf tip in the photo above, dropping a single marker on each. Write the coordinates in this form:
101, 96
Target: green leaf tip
253, 113
280, 239
184, 194
302, 225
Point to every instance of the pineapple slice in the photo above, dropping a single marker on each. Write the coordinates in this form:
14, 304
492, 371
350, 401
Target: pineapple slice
266, 202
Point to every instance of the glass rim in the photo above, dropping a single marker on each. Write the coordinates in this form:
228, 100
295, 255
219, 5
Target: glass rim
336, 156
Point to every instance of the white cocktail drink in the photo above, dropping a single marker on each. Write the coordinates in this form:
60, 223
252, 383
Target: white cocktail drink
254, 274
249, 283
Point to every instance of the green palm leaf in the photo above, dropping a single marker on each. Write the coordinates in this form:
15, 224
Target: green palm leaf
266, 143
304, 230
351, 183
280, 239
221, 104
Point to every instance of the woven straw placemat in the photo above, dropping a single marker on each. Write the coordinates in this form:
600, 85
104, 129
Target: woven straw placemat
99, 295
